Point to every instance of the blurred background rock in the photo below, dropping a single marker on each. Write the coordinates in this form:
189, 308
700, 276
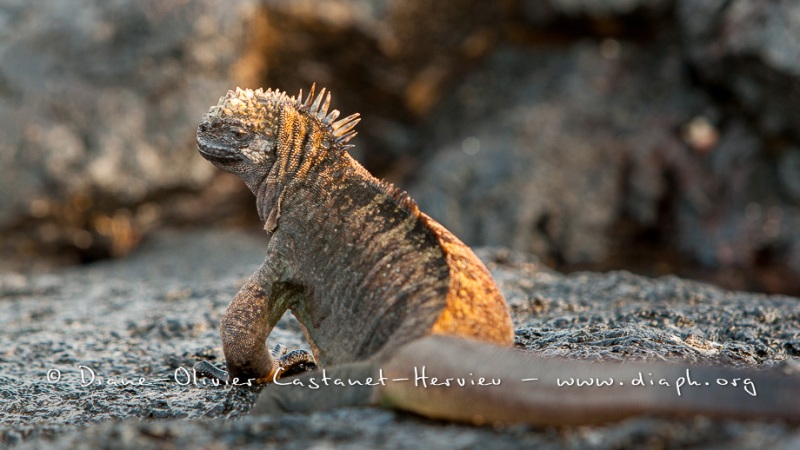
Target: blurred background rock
655, 136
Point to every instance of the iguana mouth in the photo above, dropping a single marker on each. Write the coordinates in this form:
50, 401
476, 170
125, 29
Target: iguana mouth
216, 152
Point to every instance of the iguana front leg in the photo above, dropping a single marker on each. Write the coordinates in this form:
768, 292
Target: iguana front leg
247, 322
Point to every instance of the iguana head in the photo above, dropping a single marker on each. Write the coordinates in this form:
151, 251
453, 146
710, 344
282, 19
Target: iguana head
250, 130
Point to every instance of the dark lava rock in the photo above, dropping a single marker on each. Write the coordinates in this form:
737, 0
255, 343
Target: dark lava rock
545, 150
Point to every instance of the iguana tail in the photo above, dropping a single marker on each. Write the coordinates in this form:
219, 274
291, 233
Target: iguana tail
466, 381
553, 391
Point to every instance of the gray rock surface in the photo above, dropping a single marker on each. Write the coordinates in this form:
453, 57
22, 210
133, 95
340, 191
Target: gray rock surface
752, 49
99, 105
105, 98
158, 311
747, 55
545, 150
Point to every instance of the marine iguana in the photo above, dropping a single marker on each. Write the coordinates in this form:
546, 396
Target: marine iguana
382, 291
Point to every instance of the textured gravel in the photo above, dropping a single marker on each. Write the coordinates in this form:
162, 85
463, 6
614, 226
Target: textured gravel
156, 313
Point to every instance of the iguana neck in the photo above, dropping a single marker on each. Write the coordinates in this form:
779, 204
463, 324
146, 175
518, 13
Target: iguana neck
303, 156
263, 189
269, 188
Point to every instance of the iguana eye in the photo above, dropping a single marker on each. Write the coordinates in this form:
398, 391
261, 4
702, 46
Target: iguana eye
238, 134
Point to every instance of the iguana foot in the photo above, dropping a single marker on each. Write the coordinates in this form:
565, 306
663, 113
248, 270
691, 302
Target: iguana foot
289, 363
292, 362
208, 370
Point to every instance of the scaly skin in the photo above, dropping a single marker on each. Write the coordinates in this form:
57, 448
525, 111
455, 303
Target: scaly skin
379, 286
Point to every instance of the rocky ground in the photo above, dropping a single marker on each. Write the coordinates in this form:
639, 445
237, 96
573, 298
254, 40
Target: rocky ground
155, 313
